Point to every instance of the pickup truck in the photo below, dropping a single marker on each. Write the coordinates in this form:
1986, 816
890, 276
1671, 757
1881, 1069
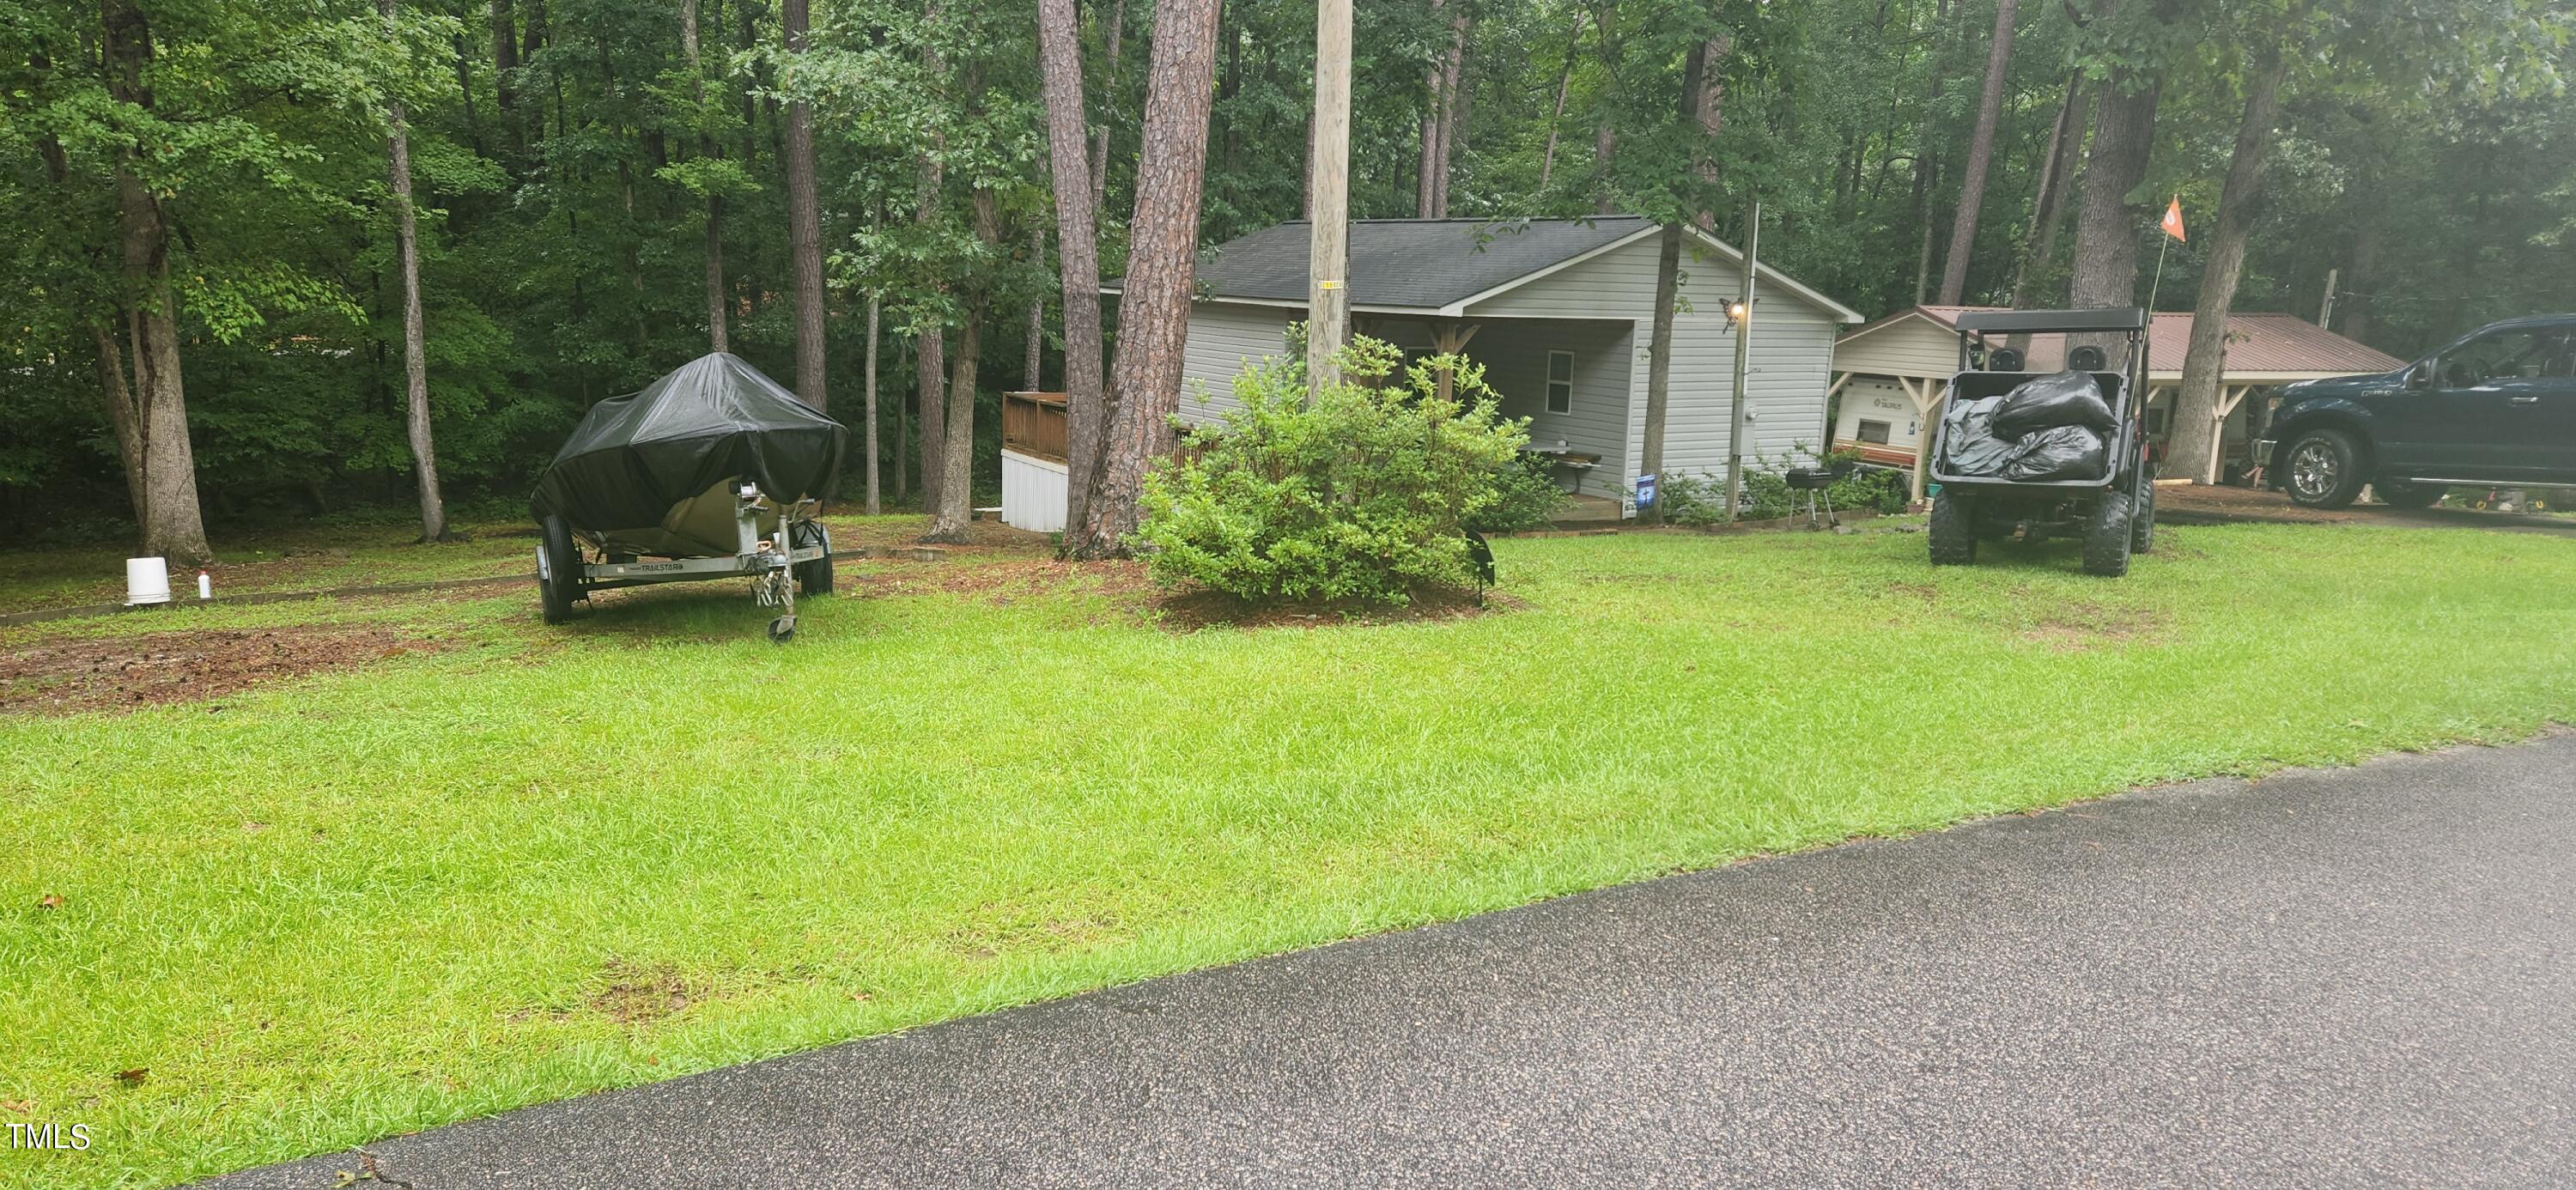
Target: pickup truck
2498, 406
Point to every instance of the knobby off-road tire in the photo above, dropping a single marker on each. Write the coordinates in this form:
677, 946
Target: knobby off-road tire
813, 579
2409, 495
1954, 529
2142, 516
2107, 542
2323, 469
559, 587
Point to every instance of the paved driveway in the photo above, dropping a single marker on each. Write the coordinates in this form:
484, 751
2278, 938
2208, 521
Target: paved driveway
2343, 978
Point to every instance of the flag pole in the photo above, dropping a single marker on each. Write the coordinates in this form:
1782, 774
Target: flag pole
2158, 283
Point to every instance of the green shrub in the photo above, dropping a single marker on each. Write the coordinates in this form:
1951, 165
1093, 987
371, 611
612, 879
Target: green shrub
1700, 500
1360, 494
1525, 496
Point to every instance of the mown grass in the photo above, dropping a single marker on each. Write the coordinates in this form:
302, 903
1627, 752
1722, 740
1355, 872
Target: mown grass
566, 860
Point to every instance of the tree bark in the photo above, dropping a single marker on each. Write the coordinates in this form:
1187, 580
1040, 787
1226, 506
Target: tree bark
1659, 358
2195, 439
1702, 93
1155, 310
804, 228
1453, 112
1981, 155
1077, 252
869, 400
2048, 213
957, 480
424, 454
930, 363
1033, 363
717, 339
2106, 225
1564, 84
1435, 109
173, 526
125, 418
505, 76
1108, 95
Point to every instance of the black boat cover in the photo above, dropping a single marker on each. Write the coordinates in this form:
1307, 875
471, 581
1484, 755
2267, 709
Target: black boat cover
634, 458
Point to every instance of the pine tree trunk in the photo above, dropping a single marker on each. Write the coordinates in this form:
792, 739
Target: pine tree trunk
1703, 92
869, 400
1033, 363
1077, 252
1108, 95
2196, 432
1556, 115
1659, 357
1155, 311
424, 454
717, 339
1981, 155
804, 229
173, 527
1453, 113
1435, 108
930, 359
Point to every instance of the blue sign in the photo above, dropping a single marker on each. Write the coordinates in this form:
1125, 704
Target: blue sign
1645, 491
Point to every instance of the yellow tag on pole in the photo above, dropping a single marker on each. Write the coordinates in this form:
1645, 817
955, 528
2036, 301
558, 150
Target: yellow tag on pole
1330, 285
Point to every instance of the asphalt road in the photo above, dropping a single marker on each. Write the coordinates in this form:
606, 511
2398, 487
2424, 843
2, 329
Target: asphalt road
2361, 977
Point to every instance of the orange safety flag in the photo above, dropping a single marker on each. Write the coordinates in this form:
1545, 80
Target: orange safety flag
2173, 220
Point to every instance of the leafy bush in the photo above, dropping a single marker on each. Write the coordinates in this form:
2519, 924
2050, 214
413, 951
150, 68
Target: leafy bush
1700, 500
1361, 493
1525, 496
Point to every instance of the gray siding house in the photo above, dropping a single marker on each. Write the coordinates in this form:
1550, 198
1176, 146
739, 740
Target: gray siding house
1559, 312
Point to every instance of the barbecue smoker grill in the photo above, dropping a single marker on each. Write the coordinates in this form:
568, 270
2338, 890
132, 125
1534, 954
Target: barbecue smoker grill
2113, 512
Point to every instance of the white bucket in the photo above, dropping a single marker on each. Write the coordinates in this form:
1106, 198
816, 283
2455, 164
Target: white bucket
147, 580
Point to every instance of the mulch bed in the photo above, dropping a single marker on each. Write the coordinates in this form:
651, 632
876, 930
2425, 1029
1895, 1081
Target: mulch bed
126, 673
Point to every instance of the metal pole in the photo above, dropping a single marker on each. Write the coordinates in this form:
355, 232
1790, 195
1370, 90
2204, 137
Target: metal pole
1743, 341
1328, 295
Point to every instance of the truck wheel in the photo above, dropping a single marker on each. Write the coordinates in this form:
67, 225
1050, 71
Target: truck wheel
2107, 542
2396, 494
2142, 516
2324, 469
1954, 529
814, 579
559, 582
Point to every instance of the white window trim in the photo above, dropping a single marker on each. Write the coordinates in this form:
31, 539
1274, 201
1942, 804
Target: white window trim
1549, 401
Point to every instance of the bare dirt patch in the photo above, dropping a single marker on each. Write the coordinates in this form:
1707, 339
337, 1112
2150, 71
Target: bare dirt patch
124, 673
639, 995
2081, 627
1131, 588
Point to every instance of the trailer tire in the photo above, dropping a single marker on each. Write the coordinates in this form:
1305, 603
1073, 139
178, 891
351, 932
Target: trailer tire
1954, 529
560, 585
2400, 494
813, 579
2107, 540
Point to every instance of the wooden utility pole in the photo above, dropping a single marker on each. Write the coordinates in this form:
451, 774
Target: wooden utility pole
1743, 356
2325, 310
1328, 294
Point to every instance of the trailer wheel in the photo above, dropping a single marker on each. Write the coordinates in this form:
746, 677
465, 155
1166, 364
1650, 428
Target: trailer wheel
814, 579
2142, 517
559, 576
2107, 540
2399, 494
1954, 529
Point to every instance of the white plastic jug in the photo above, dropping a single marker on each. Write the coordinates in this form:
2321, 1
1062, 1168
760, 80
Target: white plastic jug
147, 580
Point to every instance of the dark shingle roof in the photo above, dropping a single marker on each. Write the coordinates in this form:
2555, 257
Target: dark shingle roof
1414, 263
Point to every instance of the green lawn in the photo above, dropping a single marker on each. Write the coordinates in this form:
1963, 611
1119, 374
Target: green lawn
543, 862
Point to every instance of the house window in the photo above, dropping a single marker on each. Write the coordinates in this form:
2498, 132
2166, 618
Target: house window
1874, 431
1560, 382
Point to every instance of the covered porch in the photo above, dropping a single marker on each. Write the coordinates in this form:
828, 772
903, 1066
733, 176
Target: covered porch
1570, 377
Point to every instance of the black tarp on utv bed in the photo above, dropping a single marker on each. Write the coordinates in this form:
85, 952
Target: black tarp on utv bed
647, 473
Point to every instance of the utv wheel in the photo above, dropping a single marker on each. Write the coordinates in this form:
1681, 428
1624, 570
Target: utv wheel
1954, 529
559, 578
2107, 539
2409, 495
2142, 516
813, 579
2324, 469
